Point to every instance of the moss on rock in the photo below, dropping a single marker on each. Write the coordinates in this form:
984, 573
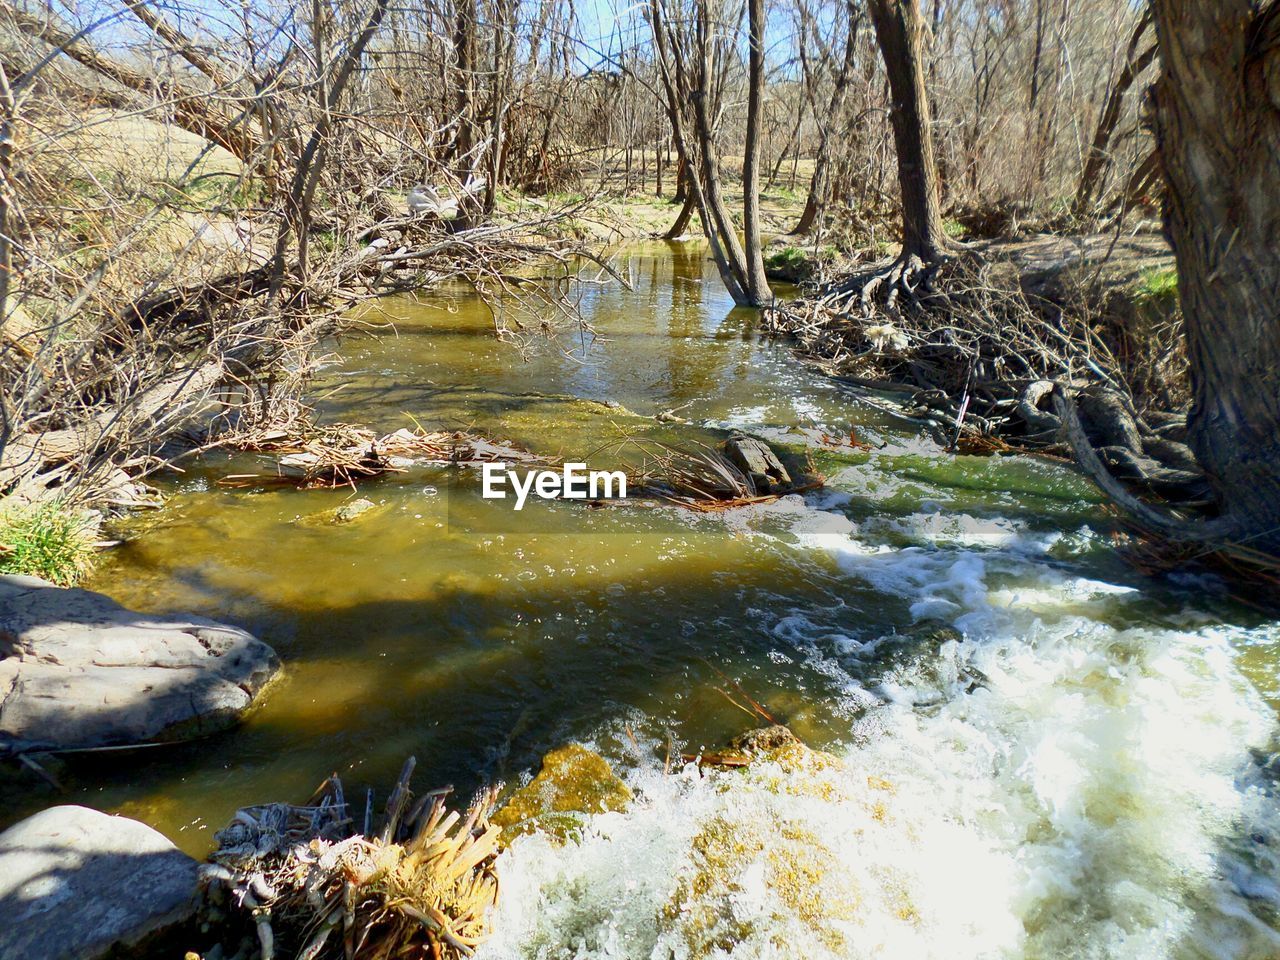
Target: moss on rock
574, 783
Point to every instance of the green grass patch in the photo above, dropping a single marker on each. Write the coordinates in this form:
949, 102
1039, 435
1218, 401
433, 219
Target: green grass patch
788, 258
953, 228
1157, 288
48, 540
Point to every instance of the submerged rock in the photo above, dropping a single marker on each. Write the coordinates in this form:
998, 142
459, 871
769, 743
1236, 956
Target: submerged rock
79, 670
347, 512
76, 884
777, 744
574, 783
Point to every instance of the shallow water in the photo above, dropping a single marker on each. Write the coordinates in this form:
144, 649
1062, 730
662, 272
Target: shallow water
1087, 773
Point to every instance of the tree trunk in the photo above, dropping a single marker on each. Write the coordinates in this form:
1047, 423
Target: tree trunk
900, 33
682, 180
466, 162
1217, 115
756, 282
691, 56
681, 224
817, 189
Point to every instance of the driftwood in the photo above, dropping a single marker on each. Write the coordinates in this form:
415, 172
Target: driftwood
343, 455
702, 478
316, 884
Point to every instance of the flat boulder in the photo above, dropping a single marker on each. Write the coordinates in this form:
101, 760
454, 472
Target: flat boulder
78, 670
76, 884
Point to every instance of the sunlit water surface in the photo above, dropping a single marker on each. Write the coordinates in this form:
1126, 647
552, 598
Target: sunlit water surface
1086, 774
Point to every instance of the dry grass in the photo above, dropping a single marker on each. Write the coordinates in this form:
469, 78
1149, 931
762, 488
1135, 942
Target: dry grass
315, 888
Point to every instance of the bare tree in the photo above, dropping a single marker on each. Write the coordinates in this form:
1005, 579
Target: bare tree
1099, 157
757, 284
693, 45
900, 32
827, 120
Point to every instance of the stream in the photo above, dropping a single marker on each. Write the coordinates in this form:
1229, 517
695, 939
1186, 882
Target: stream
1087, 772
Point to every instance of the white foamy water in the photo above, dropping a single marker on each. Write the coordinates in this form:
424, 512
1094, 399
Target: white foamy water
1057, 784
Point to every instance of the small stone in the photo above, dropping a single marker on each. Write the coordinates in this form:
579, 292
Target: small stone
765, 739
777, 744
347, 512
351, 510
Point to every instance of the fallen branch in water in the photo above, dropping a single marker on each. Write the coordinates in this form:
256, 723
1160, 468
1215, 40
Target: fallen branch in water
341, 454
705, 479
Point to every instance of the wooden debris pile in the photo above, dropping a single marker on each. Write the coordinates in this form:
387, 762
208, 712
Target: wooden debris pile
341, 454
703, 478
974, 354
314, 888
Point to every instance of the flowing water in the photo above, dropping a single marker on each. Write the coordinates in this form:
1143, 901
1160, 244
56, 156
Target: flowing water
1084, 770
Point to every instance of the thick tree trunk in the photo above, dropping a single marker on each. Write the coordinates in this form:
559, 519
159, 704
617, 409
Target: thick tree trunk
1217, 112
900, 33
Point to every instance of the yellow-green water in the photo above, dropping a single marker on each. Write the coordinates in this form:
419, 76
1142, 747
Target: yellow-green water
1085, 774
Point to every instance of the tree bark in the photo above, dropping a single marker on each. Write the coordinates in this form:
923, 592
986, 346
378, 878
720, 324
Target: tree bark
757, 283
1217, 118
900, 33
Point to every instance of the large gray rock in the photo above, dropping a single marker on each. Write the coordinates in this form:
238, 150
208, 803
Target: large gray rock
79, 670
76, 884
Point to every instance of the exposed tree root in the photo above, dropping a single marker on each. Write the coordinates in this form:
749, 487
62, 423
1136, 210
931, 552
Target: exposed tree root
988, 368
910, 277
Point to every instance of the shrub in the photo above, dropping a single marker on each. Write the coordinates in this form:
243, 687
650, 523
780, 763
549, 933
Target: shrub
46, 540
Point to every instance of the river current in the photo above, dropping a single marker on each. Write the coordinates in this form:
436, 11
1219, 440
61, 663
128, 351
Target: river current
1083, 768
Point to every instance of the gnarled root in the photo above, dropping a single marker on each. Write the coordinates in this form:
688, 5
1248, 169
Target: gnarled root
910, 276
